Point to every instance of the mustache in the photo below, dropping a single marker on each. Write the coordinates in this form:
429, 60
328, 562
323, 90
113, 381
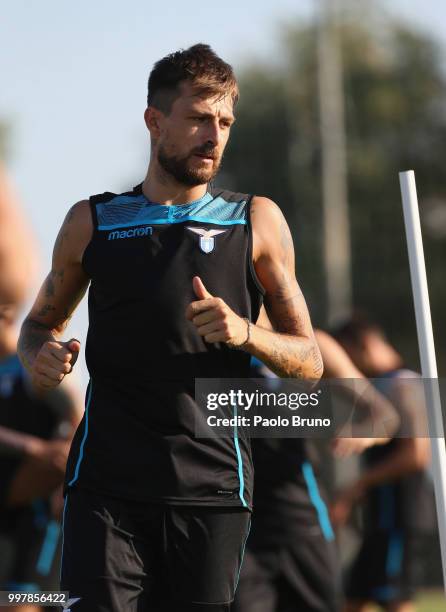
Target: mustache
206, 151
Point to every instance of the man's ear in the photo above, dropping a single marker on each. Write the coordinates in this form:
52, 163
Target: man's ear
153, 118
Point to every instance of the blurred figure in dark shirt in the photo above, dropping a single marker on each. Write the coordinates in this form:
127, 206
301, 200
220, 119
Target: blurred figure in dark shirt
394, 486
35, 431
291, 560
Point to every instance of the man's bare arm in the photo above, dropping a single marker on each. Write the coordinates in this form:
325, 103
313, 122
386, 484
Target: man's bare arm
39, 346
409, 455
379, 419
291, 349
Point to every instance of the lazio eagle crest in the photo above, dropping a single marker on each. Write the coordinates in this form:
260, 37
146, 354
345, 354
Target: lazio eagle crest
207, 237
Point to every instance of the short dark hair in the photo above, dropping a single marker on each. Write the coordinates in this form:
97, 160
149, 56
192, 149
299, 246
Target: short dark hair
353, 329
198, 65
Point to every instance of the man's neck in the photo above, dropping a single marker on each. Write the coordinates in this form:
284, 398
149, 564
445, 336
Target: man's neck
162, 188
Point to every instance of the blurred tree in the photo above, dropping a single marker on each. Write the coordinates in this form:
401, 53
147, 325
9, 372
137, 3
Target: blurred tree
4, 130
395, 93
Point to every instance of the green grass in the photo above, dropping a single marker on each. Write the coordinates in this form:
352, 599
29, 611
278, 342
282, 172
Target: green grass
430, 601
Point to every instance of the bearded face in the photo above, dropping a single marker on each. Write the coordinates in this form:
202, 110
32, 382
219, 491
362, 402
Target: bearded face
198, 167
190, 140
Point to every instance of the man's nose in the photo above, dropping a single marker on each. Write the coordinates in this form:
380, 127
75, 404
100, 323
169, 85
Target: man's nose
213, 133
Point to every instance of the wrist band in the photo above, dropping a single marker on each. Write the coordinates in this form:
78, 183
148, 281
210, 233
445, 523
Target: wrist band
248, 336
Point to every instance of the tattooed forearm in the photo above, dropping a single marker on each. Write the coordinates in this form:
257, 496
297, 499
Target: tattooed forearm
281, 360
53, 281
32, 336
289, 349
290, 324
305, 352
49, 285
46, 309
286, 312
289, 356
283, 296
318, 366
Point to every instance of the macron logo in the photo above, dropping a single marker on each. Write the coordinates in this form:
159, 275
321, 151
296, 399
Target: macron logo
135, 232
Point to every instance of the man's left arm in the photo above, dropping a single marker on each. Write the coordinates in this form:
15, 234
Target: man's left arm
291, 350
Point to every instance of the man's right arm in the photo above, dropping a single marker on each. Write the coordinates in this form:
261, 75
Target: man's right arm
40, 349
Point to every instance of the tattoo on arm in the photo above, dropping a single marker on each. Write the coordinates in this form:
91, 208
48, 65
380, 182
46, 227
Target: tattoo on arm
61, 292
318, 366
286, 313
282, 362
47, 308
55, 276
293, 350
64, 230
32, 337
49, 285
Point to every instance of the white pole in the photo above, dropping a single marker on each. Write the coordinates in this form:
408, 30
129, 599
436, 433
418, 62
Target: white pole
427, 349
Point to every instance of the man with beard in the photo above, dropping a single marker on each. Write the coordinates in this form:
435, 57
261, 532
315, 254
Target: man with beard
154, 517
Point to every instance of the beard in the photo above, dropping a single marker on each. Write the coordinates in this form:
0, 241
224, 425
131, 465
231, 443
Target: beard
182, 169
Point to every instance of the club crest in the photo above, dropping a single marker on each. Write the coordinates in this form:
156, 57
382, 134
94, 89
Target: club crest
207, 237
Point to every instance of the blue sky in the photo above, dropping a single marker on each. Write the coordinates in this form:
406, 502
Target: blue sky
74, 86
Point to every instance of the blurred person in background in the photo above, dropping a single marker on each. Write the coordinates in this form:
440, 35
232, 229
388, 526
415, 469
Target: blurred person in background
17, 247
291, 560
35, 434
394, 486
35, 431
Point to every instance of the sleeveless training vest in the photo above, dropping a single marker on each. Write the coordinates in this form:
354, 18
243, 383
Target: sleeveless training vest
136, 439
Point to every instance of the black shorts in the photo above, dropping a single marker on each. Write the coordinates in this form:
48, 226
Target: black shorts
30, 545
302, 574
388, 567
121, 556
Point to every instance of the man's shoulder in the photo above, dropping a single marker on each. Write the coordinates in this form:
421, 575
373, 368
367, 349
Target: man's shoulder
108, 196
266, 213
228, 195
263, 205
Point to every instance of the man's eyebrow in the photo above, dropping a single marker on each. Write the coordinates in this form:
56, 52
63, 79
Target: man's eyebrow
197, 111
203, 113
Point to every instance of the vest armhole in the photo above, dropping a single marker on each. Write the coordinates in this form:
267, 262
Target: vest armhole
93, 211
94, 218
253, 273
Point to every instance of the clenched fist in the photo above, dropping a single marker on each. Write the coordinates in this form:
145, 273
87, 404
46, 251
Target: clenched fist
53, 362
213, 318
